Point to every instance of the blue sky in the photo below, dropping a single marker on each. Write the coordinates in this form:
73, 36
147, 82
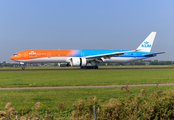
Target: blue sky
85, 24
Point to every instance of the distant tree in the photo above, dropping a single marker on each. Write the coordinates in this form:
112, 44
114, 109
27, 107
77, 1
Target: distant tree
55, 64
155, 62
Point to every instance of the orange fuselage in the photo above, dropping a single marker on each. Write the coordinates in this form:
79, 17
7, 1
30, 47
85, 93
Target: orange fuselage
31, 54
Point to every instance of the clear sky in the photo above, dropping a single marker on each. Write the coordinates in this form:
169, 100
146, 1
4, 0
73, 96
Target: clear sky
85, 24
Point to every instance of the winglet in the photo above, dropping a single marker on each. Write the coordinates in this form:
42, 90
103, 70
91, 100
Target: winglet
146, 45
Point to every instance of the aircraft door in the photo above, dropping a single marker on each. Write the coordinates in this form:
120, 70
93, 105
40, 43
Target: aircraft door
26, 55
135, 55
49, 54
82, 54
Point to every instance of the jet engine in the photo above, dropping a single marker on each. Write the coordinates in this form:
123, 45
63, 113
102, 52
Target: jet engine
77, 61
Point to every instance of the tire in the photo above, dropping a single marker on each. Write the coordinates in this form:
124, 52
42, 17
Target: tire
96, 67
23, 68
89, 67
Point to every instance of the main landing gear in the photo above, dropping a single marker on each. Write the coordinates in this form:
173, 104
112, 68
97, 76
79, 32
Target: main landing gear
23, 68
89, 67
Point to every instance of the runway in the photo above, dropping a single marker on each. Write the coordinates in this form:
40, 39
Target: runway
73, 87
86, 69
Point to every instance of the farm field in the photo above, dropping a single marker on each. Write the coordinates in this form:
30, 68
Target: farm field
85, 77
51, 98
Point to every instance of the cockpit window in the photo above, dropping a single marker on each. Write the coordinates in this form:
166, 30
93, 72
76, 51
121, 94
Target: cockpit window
15, 54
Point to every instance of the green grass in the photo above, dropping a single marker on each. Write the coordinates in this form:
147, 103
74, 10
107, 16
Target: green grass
51, 98
137, 66
126, 66
85, 77
38, 67
57, 67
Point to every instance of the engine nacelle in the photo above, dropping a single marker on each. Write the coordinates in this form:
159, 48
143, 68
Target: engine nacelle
77, 61
83, 61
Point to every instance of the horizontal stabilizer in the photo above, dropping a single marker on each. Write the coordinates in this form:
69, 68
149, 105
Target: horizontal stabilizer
154, 53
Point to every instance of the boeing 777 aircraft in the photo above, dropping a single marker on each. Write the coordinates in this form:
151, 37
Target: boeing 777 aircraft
83, 57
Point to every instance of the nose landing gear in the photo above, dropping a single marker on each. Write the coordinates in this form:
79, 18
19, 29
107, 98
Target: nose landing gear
22, 64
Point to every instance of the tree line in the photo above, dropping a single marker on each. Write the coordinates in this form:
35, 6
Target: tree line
140, 62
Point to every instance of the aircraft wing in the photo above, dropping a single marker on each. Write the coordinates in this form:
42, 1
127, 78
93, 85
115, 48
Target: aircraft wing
153, 53
107, 55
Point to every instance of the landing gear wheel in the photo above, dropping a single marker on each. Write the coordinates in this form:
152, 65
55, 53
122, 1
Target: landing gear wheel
23, 68
96, 67
89, 67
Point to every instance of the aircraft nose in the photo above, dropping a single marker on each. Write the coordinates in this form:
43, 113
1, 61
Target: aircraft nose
12, 57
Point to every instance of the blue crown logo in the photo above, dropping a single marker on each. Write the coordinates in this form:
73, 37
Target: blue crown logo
146, 45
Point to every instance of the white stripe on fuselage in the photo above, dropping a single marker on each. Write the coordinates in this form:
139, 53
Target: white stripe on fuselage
47, 60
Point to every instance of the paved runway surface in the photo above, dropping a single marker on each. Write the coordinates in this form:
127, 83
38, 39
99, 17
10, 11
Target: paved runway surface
86, 69
71, 87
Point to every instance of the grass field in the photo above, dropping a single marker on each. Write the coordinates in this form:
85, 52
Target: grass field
51, 98
85, 77
137, 66
38, 67
57, 67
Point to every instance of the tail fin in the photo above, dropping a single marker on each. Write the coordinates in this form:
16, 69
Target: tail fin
146, 45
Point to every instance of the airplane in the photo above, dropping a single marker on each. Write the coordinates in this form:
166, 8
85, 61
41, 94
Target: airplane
83, 58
